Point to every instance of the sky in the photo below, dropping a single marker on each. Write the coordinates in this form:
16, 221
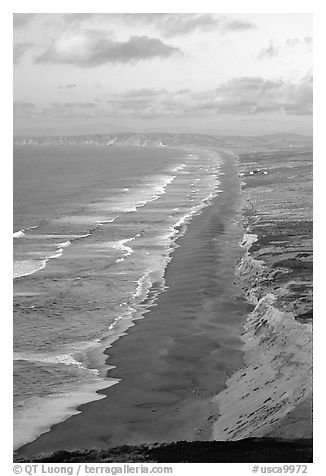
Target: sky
90, 73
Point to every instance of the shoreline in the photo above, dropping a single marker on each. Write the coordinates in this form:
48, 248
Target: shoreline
213, 234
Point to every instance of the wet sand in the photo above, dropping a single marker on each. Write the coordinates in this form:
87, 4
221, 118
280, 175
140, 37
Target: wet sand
174, 360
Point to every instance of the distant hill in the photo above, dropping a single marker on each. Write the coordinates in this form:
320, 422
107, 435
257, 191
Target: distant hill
171, 140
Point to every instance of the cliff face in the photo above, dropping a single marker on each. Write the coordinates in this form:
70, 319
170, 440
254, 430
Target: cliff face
276, 277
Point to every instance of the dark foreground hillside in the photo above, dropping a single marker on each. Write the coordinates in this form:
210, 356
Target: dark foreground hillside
249, 450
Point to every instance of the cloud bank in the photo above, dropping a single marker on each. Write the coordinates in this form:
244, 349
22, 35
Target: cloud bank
249, 95
242, 96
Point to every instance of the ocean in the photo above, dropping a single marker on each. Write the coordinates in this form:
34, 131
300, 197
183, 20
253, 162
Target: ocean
94, 229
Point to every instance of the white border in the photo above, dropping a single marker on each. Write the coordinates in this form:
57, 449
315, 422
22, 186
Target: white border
229, 6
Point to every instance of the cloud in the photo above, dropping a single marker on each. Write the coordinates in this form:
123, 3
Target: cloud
183, 24
19, 51
62, 112
238, 25
294, 42
24, 105
67, 86
95, 47
308, 42
256, 95
270, 52
21, 19
308, 78
75, 19
180, 24
76, 104
25, 109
